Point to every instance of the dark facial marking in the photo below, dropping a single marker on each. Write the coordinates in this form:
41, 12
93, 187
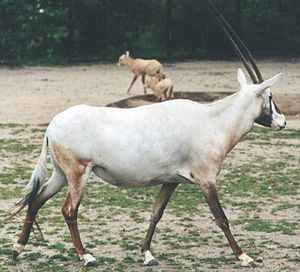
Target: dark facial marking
270, 101
265, 119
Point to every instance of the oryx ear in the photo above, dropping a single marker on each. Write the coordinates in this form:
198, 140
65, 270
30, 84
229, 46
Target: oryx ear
127, 53
241, 77
267, 84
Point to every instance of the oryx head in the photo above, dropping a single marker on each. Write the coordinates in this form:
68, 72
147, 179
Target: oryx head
123, 58
270, 115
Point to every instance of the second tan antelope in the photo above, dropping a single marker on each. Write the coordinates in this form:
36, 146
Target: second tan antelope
161, 86
140, 67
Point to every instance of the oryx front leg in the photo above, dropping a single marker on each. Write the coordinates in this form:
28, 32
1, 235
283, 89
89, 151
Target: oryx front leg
158, 210
77, 177
210, 193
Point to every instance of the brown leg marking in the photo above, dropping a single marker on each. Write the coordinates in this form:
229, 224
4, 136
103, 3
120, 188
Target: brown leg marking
212, 199
26, 229
77, 172
133, 80
70, 211
158, 210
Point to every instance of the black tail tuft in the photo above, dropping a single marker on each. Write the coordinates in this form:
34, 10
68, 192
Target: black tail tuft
27, 200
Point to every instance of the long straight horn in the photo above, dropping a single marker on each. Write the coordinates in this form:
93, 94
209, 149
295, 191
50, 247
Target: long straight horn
224, 23
237, 50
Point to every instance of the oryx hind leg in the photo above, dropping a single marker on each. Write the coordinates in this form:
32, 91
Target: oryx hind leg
158, 210
54, 185
77, 177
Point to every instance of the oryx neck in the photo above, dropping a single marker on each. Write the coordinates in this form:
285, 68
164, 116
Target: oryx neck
234, 117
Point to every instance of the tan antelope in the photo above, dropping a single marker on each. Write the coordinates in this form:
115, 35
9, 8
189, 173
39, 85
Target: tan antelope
140, 67
131, 148
161, 86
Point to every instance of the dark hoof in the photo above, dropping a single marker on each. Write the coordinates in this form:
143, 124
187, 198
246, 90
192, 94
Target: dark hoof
91, 263
15, 254
152, 262
252, 264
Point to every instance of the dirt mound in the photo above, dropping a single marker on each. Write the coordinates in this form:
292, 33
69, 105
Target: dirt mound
289, 103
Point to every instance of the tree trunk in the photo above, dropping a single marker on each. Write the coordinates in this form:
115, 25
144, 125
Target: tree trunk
169, 28
71, 27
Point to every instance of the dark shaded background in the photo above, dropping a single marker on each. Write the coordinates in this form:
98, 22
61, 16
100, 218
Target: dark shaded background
68, 31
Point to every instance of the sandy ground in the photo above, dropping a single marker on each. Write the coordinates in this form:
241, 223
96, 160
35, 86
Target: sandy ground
34, 95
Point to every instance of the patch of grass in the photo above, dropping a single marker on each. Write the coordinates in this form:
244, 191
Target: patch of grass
266, 133
59, 257
216, 73
129, 245
5, 250
6, 177
10, 193
106, 260
35, 130
285, 206
186, 200
106, 195
136, 216
58, 246
267, 180
259, 225
128, 260
295, 259
50, 265
43, 125
11, 125
16, 146
34, 256
265, 226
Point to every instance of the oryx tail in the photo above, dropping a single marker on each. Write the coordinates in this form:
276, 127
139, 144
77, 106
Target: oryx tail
35, 184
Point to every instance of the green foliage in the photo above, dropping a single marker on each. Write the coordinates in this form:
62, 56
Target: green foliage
40, 31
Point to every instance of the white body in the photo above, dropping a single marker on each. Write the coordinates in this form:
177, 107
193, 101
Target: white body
133, 147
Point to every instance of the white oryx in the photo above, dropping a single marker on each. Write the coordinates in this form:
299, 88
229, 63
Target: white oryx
132, 148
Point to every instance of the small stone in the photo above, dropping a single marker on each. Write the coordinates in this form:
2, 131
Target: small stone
259, 260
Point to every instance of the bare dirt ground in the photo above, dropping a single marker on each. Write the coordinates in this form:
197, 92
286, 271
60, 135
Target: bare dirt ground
34, 95
30, 96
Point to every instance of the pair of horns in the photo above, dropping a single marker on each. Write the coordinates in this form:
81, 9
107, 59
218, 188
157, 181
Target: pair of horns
237, 44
